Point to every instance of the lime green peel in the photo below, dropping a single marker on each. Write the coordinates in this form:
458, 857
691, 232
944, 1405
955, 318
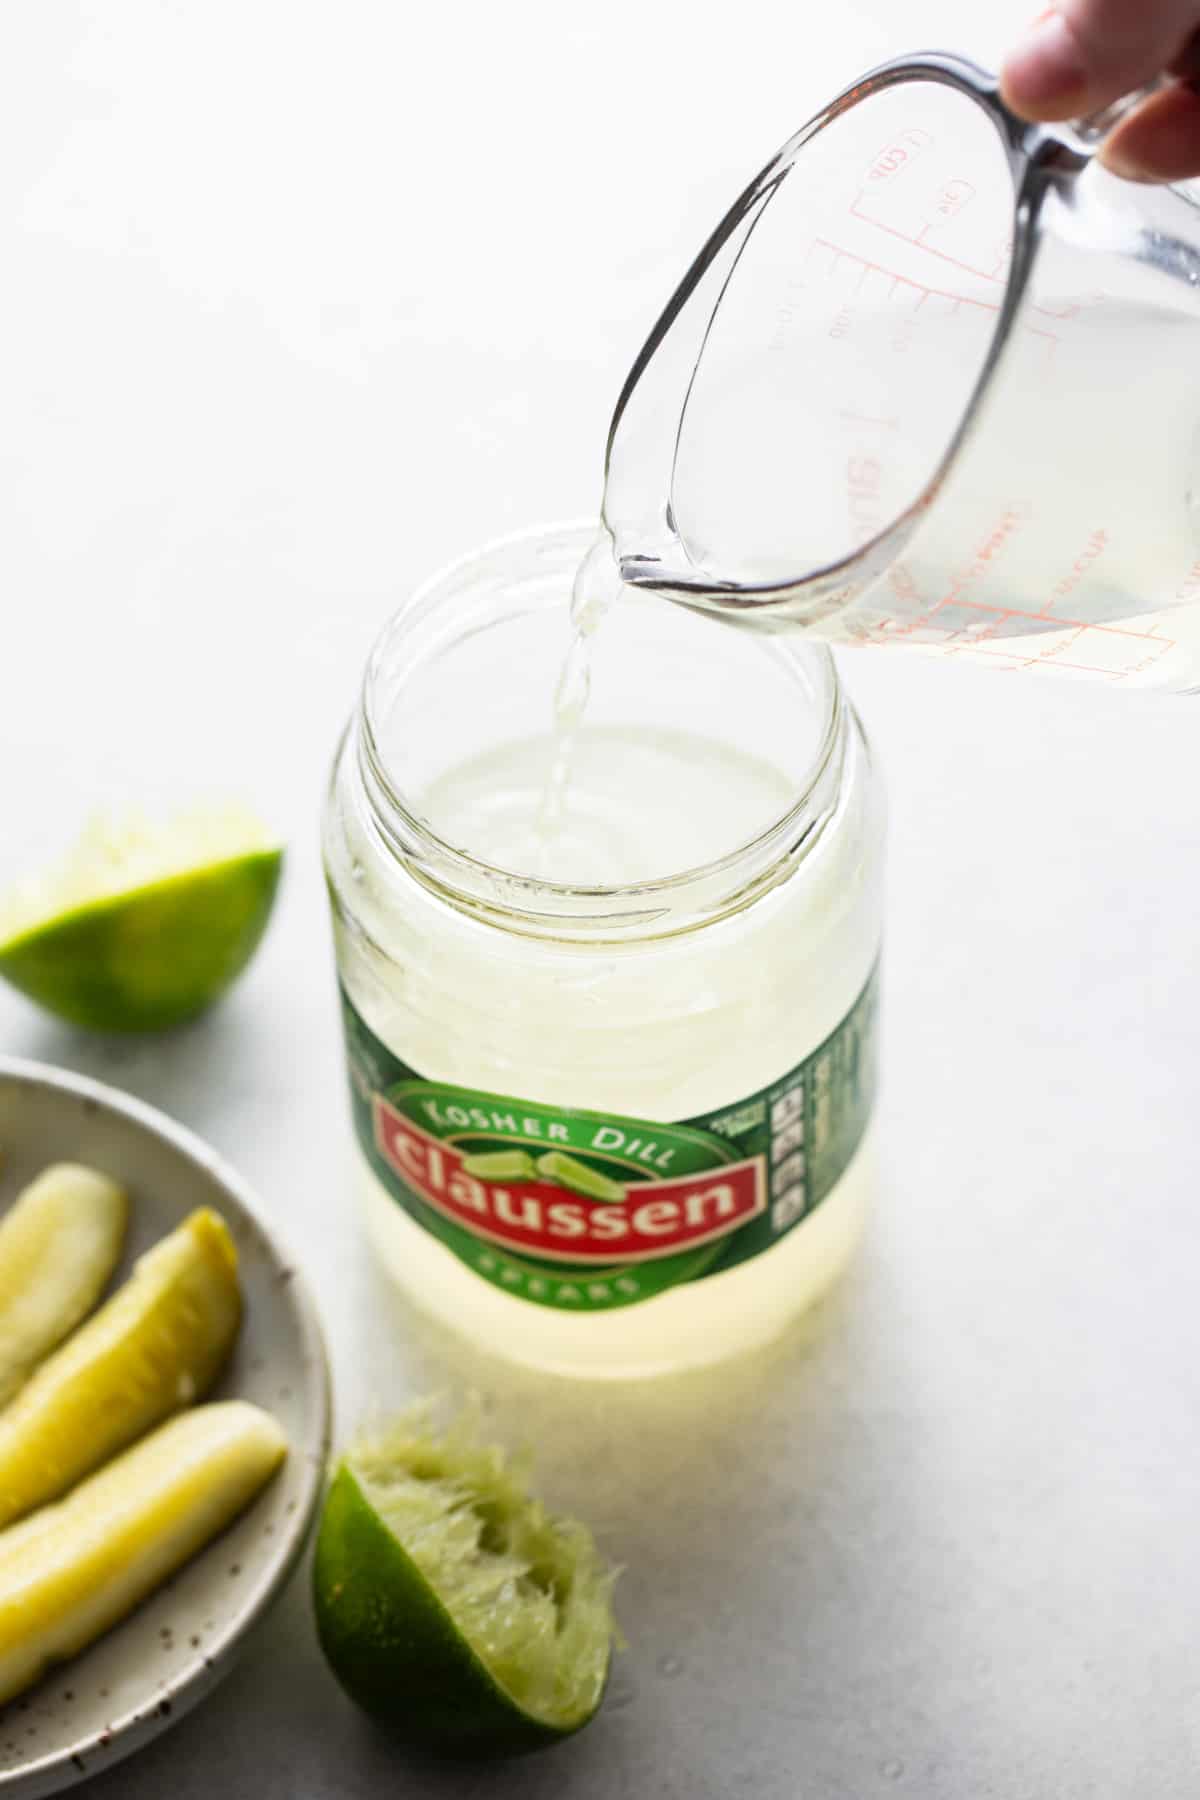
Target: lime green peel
450, 1604
141, 927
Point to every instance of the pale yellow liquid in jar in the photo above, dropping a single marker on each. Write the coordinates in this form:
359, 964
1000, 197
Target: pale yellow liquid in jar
688, 1327
669, 1030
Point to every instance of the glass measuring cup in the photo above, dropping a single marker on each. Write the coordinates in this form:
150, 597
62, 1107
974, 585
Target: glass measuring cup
933, 380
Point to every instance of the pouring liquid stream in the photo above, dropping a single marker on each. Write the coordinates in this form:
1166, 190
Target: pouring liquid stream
596, 587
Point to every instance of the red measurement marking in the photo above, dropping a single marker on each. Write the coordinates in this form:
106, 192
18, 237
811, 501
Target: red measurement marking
897, 154
1068, 309
898, 280
918, 243
1039, 618
1051, 660
1084, 564
906, 237
956, 194
1037, 662
1052, 341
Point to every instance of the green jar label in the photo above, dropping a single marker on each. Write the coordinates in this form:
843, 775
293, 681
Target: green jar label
586, 1211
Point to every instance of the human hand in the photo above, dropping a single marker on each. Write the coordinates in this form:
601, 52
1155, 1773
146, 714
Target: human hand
1083, 54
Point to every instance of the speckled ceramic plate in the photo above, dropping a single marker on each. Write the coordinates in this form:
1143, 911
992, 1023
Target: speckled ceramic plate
134, 1683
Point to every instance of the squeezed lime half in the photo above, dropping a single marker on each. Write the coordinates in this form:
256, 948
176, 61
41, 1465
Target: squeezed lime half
450, 1604
142, 928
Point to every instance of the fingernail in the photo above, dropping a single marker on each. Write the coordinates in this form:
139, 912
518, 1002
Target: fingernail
1117, 164
1046, 66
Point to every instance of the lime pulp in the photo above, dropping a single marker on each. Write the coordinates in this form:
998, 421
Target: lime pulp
450, 1604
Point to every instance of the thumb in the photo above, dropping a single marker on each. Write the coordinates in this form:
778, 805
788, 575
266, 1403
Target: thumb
1084, 54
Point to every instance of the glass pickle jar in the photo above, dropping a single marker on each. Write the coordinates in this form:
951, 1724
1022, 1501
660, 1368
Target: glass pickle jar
611, 1077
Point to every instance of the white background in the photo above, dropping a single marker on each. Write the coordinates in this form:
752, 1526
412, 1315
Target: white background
301, 300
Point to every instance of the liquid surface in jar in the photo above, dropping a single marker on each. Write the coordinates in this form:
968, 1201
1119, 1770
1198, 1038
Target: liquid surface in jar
589, 804
640, 804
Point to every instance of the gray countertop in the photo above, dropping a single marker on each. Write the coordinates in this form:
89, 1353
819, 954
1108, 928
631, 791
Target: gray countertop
941, 1541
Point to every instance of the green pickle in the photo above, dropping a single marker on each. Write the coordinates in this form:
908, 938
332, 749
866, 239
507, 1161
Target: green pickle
500, 1165
74, 1569
154, 1348
556, 1165
59, 1243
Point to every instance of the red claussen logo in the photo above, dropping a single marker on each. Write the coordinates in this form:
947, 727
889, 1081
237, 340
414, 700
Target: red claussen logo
538, 1218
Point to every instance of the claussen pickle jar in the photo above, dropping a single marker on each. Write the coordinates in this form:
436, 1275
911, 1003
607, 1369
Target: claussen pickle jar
612, 1082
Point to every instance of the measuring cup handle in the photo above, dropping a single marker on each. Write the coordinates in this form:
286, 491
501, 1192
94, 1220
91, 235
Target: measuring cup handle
1093, 128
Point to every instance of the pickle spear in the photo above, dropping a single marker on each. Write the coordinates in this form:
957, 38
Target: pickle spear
556, 1165
73, 1570
58, 1246
500, 1165
152, 1349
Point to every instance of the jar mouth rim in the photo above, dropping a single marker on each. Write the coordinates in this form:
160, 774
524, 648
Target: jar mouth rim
409, 831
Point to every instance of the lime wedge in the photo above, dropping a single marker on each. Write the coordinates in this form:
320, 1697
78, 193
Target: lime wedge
141, 928
58, 1246
72, 1570
156, 1346
450, 1604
